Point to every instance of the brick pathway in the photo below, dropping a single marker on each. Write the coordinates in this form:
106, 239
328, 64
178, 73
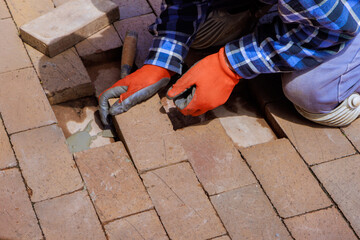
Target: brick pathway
251, 169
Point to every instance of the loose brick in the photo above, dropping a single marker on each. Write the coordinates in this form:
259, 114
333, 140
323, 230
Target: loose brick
132, 8
66, 25
141, 226
12, 52
184, 209
352, 131
17, 218
314, 142
149, 136
139, 25
248, 214
7, 158
63, 77
112, 181
69, 217
278, 167
23, 104
46, 162
215, 160
341, 178
156, 5
4, 12
325, 224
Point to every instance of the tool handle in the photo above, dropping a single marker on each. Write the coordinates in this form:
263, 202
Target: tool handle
128, 53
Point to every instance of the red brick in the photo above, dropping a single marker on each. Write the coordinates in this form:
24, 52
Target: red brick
341, 178
12, 52
7, 158
215, 160
139, 25
112, 181
285, 178
352, 131
149, 136
325, 224
156, 5
141, 226
46, 162
314, 142
184, 209
23, 104
17, 218
247, 214
132, 8
4, 12
69, 217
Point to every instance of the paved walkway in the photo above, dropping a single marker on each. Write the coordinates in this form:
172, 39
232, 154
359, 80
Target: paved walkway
251, 169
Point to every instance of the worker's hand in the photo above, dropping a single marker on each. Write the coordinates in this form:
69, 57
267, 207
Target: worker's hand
133, 89
205, 86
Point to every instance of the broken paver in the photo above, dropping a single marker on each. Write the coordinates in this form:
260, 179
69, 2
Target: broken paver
69, 217
341, 178
27, 110
325, 224
68, 24
314, 142
132, 8
145, 225
17, 217
215, 160
7, 158
248, 214
4, 12
181, 203
46, 163
112, 181
278, 167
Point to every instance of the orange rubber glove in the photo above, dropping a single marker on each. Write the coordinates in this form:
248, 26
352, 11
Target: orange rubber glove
205, 86
133, 89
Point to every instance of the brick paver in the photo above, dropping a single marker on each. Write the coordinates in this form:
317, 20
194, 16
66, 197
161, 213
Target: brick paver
215, 160
353, 133
4, 11
132, 8
248, 214
222, 238
46, 162
285, 178
17, 217
156, 5
112, 181
325, 224
341, 178
184, 209
7, 158
69, 217
142, 226
23, 104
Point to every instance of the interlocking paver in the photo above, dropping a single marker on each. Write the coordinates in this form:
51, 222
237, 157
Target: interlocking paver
112, 181
215, 160
7, 158
69, 217
248, 214
17, 217
142, 226
285, 178
325, 224
23, 104
132, 8
4, 11
46, 162
184, 209
314, 142
341, 178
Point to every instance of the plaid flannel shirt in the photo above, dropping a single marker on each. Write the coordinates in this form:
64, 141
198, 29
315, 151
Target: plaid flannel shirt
303, 34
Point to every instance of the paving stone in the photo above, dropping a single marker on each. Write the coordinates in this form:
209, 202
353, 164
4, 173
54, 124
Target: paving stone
314, 142
7, 158
278, 167
27, 110
140, 25
46, 162
112, 181
149, 136
325, 224
215, 160
184, 209
222, 238
17, 218
132, 8
247, 214
66, 25
352, 131
63, 77
13, 54
341, 178
69, 217
141, 226
4, 11
156, 5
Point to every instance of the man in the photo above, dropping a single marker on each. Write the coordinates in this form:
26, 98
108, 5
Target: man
314, 43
